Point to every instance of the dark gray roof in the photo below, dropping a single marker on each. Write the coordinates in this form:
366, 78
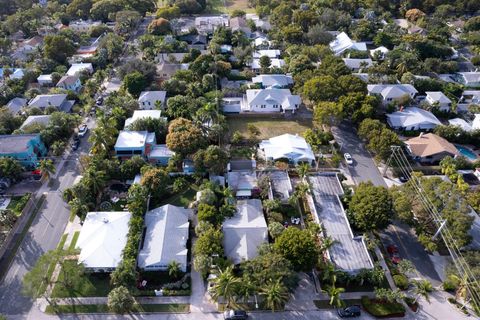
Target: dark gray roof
15, 143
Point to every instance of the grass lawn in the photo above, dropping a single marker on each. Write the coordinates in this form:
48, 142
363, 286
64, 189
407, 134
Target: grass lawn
61, 244
324, 304
268, 128
102, 308
17, 203
74, 240
182, 199
227, 6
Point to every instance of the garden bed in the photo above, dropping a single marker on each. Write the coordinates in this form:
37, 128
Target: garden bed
17, 203
383, 309
103, 308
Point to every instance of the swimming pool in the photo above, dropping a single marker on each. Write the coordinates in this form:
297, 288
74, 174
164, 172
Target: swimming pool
466, 152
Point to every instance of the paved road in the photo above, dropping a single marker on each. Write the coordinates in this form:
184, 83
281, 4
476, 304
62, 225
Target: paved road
363, 168
43, 235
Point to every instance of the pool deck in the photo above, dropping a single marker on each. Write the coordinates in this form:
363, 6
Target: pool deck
472, 150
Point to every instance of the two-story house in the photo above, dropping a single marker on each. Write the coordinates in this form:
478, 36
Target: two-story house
438, 99
392, 92
149, 100
70, 83
26, 148
59, 101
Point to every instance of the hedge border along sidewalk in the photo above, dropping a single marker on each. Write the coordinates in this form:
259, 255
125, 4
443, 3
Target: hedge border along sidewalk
383, 309
103, 308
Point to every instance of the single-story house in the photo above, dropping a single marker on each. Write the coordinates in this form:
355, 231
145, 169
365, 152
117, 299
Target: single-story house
392, 92
86, 51
27, 47
412, 119
130, 143
358, 64
382, 52
102, 240
242, 181
438, 98
270, 100
459, 122
274, 63
83, 25
143, 114
58, 101
271, 53
17, 74
16, 105
287, 146
148, 100
273, 80
262, 42
245, 231
45, 80
470, 79
240, 24
342, 42
77, 68
26, 148
430, 148
160, 155
260, 24
207, 24
165, 238
41, 120
70, 83
166, 70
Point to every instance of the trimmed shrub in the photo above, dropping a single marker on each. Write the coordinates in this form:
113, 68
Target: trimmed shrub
382, 309
401, 281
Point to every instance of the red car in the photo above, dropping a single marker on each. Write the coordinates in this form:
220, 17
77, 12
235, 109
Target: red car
394, 255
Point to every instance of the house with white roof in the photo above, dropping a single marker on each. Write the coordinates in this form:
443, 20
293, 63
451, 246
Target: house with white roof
59, 101
130, 143
17, 74
102, 240
143, 114
476, 122
148, 100
412, 119
287, 146
83, 25
271, 53
245, 231
470, 79
45, 80
41, 120
72, 83
207, 24
270, 100
459, 122
439, 99
274, 63
358, 64
242, 182
430, 148
273, 80
342, 43
380, 52
77, 68
392, 92
261, 41
165, 238
16, 105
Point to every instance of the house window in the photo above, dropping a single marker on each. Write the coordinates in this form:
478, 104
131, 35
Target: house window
137, 151
275, 106
263, 106
148, 102
124, 151
389, 99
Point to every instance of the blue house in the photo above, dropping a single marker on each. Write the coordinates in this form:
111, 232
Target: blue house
160, 154
131, 143
26, 148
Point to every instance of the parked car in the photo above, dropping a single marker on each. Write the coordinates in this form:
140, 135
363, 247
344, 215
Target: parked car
75, 144
82, 130
348, 158
235, 315
394, 255
350, 312
99, 101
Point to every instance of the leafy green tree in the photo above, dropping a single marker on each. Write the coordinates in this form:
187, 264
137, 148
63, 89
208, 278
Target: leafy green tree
120, 300
105, 10
275, 294
275, 229
8, 122
265, 63
299, 247
168, 12
155, 180
213, 159
184, 137
125, 274
159, 126
135, 83
323, 88
208, 213
58, 47
126, 21
10, 168
209, 243
328, 113
159, 27
79, 8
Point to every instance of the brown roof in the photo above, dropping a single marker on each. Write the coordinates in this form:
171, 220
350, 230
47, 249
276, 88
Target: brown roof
33, 41
430, 144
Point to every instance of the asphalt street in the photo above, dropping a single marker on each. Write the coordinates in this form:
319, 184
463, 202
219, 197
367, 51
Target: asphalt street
43, 235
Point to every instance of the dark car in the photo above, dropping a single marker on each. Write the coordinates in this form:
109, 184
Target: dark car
99, 101
75, 144
350, 312
235, 315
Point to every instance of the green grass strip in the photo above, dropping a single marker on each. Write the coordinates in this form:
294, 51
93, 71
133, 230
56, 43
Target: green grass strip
103, 308
73, 243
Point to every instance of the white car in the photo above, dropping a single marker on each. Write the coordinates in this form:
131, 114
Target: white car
348, 158
82, 130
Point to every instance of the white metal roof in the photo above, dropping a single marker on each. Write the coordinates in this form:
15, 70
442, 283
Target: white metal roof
41, 119
358, 63
391, 90
161, 150
152, 96
79, 67
272, 80
102, 239
438, 96
273, 96
274, 62
131, 139
287, 146
343, 42
245, 231
143, 114
412, 116
271, 53
459, 122
476, 122
165, 238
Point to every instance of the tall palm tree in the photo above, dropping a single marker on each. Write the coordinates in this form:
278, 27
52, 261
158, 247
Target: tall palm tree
96, 180
47, 167
422, 288
246, 289
275, 293
334, 294
327, 243
226, 285
330, 273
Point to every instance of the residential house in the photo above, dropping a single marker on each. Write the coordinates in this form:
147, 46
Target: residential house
160, 155
16, 105
149, 100
207, 24
280, 184
438, 99
270, 100
240, 24
241, 178
412, 119
380, 52
392, 92
143, 114
294, 148
358, 64
476, 122
470, 79
279, 81
165, 238
430, 148
26, 148
17, 74
274, 63
131, 143
245, 231
83, 25
173, 57
261, 41
194, 39
260, 24
166, 70
87, 51
468, 98
459, 122
70, 83
59, 101
40, 120
342, 43
27, 47
271, 53
77, 68
102, 239
45, 80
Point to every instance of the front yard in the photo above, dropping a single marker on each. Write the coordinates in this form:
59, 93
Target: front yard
268, 128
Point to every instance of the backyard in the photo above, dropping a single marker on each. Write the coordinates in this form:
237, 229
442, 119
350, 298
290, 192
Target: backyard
227, 6
268, 128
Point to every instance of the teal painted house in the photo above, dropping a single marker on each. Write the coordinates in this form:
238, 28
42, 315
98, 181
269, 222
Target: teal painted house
26, 148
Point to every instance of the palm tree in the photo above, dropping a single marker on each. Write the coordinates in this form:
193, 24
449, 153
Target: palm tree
334, 294
329, 273
301, 190
226, 285
327, 243
275, 293
173, 269
246, 289
422, 288
302, 170
96, 180
47, 167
